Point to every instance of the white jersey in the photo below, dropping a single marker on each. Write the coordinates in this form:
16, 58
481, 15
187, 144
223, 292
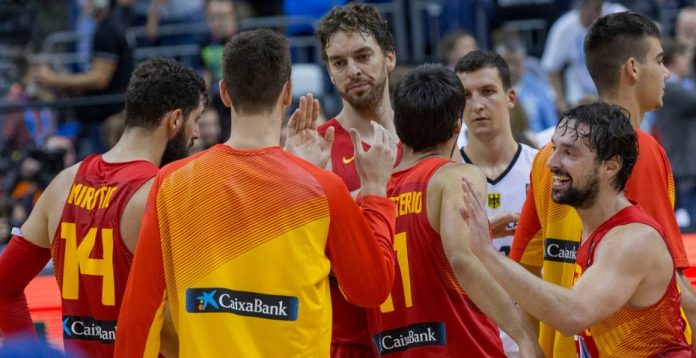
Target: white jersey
509, 190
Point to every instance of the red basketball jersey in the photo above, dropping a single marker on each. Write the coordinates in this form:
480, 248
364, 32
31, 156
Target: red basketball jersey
657, 330
427, 313
91, 261
349, 321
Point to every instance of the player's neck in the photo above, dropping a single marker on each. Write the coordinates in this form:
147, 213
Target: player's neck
629, 102
137, 144
255, 131
410, 158
350, 117
491, 151
606, 205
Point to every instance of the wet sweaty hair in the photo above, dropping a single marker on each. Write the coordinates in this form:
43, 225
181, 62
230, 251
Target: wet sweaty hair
608, 133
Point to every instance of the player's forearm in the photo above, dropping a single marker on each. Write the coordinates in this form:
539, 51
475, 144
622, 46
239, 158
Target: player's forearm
490, 297
549, 303
19, 264
80, 81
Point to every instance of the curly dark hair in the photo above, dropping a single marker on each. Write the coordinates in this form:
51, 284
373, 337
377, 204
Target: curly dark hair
354, 17
428, 104
608, 132
161, 85
256, 66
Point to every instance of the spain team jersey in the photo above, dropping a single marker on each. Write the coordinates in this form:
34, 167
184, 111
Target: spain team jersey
349, 321
508, 191
548, 234
658, 330
239, 243
427, 313
90, 259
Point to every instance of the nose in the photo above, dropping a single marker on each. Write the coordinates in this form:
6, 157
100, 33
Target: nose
554, 161
354, 70
667, 74
476, 103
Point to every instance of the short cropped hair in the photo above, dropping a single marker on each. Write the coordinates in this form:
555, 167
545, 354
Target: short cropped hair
611, 41
478, 60
428, 103
256, 66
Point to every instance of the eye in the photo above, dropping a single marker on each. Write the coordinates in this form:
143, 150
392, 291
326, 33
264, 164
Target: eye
488, 92
339, 63
363, 57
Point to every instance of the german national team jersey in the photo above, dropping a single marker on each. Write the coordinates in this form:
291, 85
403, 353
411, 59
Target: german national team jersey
427, 313
548, 234
239, 243
508, 191
659, 330
349, 321
90, 259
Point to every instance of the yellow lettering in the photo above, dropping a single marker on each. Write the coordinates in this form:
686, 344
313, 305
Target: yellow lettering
405, 203
78, 261
79, 198
401, 248
87, 198
107, 201
74, 191
417, 202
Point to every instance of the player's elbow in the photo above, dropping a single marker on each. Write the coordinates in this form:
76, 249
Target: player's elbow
370, 291
572, 323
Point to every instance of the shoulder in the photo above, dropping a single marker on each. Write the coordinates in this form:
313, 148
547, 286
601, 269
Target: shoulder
449, 176
632, 240
528, 153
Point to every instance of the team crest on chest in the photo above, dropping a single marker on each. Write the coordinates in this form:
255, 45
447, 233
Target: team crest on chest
493, 200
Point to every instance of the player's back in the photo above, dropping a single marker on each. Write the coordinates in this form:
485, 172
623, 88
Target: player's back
427, 313
90, 258
244, 253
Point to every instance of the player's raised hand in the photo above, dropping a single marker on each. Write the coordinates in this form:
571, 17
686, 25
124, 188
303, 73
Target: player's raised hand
303, 140
375, 165
473, 212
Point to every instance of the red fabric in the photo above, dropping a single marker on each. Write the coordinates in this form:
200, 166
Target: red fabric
349, 321
20, 262
646, 331
111, 185
437, 302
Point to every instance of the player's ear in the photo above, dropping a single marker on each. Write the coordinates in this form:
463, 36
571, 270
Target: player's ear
224, 95
287, 93
174, 120
613, 165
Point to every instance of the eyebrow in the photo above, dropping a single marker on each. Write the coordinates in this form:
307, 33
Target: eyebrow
362, 49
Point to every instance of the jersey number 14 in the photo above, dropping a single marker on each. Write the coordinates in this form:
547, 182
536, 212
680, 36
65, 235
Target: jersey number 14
77, 261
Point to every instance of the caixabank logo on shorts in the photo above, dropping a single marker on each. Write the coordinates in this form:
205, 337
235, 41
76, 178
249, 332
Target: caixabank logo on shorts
214, 300
417, 335
560, 250
79, 327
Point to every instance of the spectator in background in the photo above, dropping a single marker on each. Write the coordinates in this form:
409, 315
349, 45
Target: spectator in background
454, 46
563, 58
209, 131
676, 123
534, 94
685, 28
111, 66
173, 12
221, 16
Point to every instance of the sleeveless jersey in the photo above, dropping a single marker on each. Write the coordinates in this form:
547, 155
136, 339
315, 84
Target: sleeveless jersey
90, 259
654, 331
349, 321
548, 234
427, 313
242, 259
508, 191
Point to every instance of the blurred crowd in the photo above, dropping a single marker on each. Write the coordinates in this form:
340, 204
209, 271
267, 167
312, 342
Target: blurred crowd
39, 138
